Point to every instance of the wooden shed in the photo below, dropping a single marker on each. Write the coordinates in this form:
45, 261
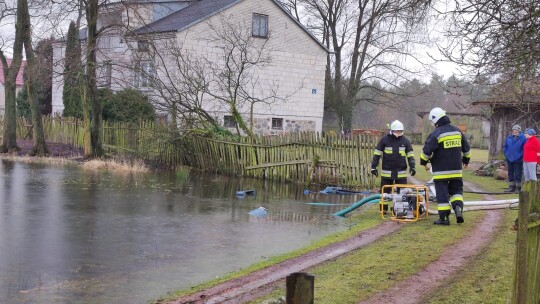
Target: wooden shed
503, 116
475, 126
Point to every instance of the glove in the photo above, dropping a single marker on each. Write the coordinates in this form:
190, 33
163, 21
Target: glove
413, 171
374, 171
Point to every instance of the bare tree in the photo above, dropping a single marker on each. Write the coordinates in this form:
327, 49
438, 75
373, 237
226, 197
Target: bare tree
369, 41
494, 38
195, 87
91, 104
9, 139
40, 147
498, 42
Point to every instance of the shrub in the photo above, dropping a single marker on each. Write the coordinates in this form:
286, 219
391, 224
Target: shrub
127, 105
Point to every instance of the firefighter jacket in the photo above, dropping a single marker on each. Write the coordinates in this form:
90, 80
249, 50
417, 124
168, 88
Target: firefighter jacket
395, 152
446, 148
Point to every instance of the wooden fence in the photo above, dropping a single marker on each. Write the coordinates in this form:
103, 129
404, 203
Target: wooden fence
298, 157
527, 271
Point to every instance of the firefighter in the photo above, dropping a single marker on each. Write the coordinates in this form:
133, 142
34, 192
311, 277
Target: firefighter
396, 150
446, 152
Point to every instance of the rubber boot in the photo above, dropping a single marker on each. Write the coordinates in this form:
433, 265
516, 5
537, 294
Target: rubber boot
384, 208
443, 218
458, 209
511, 187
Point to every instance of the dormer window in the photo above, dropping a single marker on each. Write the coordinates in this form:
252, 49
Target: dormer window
259, 26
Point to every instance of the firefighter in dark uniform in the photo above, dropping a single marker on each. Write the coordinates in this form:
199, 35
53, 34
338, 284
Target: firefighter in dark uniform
448, 152
396, 150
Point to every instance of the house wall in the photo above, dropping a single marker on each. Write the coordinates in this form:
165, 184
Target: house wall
3, 98
297, 67
296, 71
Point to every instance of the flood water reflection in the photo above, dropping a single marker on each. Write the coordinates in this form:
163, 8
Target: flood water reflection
73, 236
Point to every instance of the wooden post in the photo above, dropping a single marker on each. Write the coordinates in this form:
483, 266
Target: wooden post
300, 287
520, 276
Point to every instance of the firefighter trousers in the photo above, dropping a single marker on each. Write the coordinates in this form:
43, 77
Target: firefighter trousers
449, 194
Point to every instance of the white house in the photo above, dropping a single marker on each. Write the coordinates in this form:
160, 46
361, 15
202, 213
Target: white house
19, 82
293, 74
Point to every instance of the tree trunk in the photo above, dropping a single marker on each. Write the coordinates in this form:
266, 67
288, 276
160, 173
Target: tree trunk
40, 146
92, 107
9, 138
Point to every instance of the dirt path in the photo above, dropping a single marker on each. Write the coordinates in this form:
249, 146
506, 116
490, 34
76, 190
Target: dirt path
260, 282
415, 288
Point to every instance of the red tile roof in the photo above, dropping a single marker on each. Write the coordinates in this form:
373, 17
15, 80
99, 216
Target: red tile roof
19, 81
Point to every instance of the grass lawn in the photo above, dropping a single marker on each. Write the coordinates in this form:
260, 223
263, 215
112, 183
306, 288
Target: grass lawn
370, 270
365, 272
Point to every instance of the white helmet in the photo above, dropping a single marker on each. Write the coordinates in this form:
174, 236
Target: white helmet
435, 114
396, 125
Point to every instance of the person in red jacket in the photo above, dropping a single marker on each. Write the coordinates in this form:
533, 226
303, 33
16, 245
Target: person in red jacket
531, 153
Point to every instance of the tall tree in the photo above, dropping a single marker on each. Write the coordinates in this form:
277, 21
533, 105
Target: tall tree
44, 54
9, 138
71, 93
369, 40
91, 106
31, 82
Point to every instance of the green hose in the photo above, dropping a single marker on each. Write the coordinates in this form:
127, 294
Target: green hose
365, 200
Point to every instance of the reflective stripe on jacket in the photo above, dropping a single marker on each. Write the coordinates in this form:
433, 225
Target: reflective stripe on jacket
446, 148
396, 152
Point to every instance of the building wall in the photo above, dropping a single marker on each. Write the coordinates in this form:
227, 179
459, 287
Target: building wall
296, 71
3, 98
297, 66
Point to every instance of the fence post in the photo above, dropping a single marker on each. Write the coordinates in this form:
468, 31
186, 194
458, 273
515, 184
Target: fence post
300, 288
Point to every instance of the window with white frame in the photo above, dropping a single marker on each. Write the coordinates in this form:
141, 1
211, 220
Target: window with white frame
143, 74
259, 26
277, 123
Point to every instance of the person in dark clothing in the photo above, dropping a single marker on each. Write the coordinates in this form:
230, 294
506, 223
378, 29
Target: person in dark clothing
446, 152
513, 152
396, 151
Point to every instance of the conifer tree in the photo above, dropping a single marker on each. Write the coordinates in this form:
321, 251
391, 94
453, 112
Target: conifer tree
72, 81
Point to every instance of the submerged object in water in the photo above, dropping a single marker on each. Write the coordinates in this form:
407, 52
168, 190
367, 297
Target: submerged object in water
259, 212
243, 193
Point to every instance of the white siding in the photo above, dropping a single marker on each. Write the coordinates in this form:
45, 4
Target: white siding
298, 61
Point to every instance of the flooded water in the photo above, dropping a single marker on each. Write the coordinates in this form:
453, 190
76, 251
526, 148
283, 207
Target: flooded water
73, 236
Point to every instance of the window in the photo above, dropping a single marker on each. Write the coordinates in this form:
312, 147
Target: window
143, 45
229, 122
277, 123
260, 26
143, 74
